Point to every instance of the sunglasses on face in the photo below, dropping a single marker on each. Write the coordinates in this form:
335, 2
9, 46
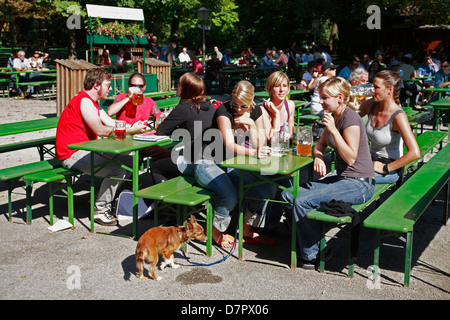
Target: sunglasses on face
140, 86
236, 106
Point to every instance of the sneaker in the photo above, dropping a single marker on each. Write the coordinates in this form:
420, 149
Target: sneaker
105, 219
314, 263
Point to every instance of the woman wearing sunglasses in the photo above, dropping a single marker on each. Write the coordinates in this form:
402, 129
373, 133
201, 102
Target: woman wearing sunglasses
123, 107
241, 128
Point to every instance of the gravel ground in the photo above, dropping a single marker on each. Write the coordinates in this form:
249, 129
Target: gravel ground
80, 265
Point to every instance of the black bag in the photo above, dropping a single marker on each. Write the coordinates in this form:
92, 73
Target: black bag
341, 209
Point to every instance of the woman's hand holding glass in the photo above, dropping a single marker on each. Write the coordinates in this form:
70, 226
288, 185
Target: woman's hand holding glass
263, 152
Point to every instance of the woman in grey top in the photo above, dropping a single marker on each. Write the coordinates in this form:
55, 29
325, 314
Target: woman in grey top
345, 132
388, 128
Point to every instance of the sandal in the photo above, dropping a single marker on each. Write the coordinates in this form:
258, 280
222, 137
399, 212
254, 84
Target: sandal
227, 241
259, 240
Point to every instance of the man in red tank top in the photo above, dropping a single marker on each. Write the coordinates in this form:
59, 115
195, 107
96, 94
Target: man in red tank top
83, 120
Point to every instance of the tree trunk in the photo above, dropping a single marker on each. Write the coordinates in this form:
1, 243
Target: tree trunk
175, 29
333, 33
72, 44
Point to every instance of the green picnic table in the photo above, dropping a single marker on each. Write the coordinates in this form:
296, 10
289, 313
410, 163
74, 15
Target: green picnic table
438, 90
129, 146
160, 94
48, 72
169, 102
229, 76
273, 169
439, 107
417, 78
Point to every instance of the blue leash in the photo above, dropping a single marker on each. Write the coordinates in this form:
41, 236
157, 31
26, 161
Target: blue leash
218, 261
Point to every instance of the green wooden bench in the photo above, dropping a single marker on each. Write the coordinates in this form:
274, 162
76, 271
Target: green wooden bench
182, 192
327, 222
419, 119
400, 211
305, 116
167, 103
39, 143
426, 142
159, 94
38, 84
63, 177
14, 176
299, 104
258, 83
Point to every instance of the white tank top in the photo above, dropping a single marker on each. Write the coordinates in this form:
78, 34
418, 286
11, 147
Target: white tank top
384, 142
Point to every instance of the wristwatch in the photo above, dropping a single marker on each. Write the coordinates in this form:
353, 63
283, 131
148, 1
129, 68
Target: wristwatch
386, 169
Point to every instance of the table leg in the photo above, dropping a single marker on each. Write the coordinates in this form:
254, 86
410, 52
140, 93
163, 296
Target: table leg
296, 182
92, 191
241, 212
135, 189
436, 116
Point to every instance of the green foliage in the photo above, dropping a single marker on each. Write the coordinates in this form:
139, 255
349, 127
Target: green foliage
237, 23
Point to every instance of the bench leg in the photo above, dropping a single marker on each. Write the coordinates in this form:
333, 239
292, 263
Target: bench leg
376, 255
408, 255
351, 261
323, 231
293, 243
209, 219
10, 189
28, 190
181, 218
70, 207
446, 190
50, 201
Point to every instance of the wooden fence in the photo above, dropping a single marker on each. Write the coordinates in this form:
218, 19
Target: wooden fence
70, 79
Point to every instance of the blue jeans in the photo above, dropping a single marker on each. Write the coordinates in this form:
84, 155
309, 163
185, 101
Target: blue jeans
310, 195
386, 178
212, 177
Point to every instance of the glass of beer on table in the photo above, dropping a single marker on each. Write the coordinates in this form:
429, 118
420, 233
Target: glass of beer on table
120, 130
304, 141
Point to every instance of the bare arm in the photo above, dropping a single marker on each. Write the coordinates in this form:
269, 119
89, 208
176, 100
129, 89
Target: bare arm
348, 143
227, 131
100, 122
116, 106
94, 120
